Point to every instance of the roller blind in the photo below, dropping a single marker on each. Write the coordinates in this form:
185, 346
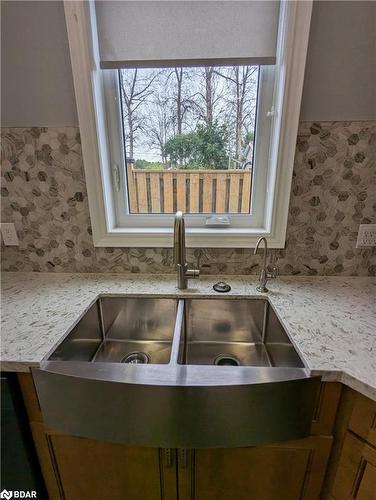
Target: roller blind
135, 34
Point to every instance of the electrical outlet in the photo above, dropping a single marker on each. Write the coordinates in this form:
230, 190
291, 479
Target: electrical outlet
366, 235
8, 231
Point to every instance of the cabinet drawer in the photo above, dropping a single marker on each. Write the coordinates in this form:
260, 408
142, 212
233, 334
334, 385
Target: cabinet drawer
363, 419
356, 473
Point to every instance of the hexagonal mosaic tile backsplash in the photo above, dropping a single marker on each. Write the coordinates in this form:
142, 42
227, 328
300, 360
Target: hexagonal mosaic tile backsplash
333, 191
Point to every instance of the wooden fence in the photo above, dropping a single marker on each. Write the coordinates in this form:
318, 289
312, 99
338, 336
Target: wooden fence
192, 191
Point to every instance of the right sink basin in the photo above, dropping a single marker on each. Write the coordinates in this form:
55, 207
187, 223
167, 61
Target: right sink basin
235, 332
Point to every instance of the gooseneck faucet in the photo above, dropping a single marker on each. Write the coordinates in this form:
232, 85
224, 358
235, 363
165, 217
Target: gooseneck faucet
263, 278
182, 271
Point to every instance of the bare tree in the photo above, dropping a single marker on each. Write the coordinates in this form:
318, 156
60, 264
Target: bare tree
181, 96
136, 90
239, 79
160, 104
160, 124
180, 109
208, 97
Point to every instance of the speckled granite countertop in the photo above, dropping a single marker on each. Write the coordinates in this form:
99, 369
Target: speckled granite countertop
331, 320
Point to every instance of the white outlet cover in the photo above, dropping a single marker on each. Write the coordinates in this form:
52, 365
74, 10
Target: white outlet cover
366, 236
9, 233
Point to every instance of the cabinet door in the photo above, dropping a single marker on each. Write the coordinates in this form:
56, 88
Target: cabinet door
90, 470
363, 419
288, 471
356, 473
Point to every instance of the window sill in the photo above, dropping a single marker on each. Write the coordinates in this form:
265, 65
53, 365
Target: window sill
195, 238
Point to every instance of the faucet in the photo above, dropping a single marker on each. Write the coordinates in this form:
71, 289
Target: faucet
183, 273
263, 279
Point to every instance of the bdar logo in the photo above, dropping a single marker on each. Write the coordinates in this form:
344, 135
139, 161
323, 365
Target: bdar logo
18, 494
6, 494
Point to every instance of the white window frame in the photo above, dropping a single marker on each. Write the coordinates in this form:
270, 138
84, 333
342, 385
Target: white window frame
96, 130
110, 88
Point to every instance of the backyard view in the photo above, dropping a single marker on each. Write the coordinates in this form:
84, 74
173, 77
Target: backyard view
189, 138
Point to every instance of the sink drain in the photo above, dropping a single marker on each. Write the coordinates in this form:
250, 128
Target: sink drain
226, 360
136, 358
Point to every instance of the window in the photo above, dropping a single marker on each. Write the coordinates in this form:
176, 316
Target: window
200, 128
194, 139
189, 137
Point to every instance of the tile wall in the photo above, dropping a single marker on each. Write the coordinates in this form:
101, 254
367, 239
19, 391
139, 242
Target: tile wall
334, 190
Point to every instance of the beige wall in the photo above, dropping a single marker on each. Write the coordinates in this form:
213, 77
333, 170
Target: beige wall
341, 64
37, 85
36, 76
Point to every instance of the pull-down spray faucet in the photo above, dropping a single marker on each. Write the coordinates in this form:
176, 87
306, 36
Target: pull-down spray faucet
182, 271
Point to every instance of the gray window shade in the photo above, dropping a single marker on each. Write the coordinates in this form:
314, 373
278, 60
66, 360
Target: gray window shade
166, 33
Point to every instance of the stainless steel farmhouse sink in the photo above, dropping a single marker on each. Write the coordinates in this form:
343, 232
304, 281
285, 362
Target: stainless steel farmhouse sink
168, 372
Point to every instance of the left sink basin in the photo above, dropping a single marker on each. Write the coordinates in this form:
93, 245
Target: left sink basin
127, 330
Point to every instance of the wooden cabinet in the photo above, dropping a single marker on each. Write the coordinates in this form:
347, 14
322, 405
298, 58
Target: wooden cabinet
283, 471
352, 468
85, 469
90, 470
356, 473
288, 471
363, 419
79, 468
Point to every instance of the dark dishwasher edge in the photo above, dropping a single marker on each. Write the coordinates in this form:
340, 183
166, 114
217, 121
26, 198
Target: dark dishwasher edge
20, 469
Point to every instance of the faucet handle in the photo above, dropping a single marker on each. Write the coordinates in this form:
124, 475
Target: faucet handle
192, 273
274, 272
